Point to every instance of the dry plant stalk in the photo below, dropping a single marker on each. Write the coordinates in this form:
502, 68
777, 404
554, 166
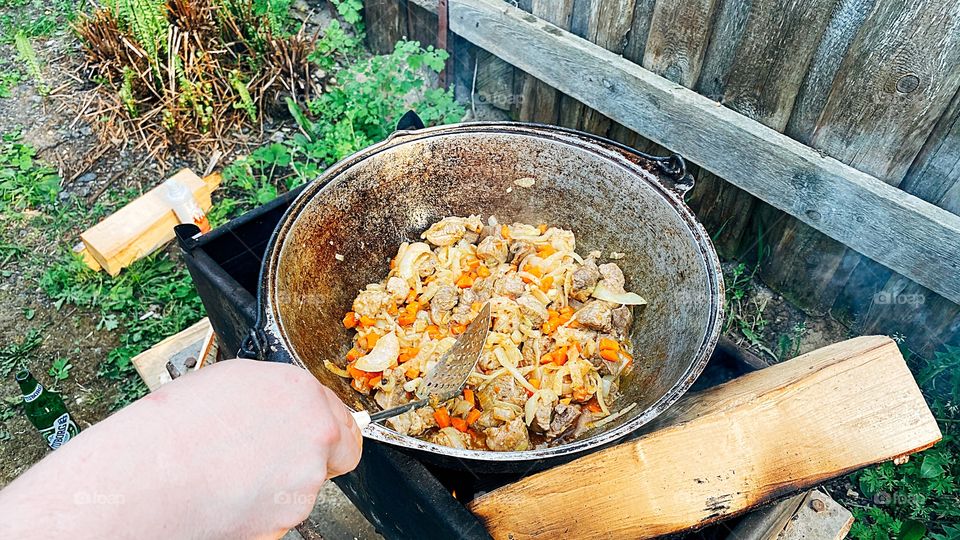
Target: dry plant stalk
217, 69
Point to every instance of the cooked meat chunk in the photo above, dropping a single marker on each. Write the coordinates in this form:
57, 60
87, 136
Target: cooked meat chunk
413, 422
398, 288
621, 320
564, 418
596, 315
510, 285
370, 302
492, 250
446, 232
529, 351
533, 309
445, 298
544, 401
427, 266
512, 436
506, 388
488, 362
584, 280
562, 240
520, 249
612, 277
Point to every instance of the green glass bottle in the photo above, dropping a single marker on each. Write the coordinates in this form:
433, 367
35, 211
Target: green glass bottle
46, 411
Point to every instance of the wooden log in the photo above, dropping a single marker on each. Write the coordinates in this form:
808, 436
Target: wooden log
144, 225
874, 218
193, 341
897, 79
722, 451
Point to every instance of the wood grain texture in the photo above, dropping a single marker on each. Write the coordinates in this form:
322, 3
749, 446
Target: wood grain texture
151, 364
807, 419
896, 229
934, 175
901, 71
386, 24
541, 102
796, 519
677, 39
609, 24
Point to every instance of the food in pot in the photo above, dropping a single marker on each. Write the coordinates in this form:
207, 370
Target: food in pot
552, 362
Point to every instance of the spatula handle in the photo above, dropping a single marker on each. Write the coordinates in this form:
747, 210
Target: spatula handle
362, 418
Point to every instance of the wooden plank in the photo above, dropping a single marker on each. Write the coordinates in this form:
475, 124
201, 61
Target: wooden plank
807, 419
902, 232
744, 72
767, 522
797, 518
139, 228
677, 39
899, 76
541, 102
151, 364
934, 175
386, 24
610, 21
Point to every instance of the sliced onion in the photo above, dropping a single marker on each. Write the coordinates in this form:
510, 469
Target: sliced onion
406, 266
601, 292
455, 437
383, 355
335, 369
538, 398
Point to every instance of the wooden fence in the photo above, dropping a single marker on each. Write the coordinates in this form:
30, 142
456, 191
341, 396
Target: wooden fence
826, 132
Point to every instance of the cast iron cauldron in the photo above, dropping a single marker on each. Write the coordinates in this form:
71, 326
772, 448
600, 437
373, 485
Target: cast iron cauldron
613, 198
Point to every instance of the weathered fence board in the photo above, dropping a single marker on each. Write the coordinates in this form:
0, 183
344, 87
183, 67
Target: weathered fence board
541, 102
677, 39
873, 217
896, 80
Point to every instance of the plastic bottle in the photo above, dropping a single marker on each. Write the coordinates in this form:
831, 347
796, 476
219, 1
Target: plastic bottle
185, 205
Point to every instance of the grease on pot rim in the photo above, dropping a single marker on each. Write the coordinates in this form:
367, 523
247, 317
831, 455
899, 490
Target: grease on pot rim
552, 362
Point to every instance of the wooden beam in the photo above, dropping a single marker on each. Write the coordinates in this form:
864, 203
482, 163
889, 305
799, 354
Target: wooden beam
193, 341
720, 452
807, 516
882, 222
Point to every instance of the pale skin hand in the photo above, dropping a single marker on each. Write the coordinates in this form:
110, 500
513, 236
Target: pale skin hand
236, 450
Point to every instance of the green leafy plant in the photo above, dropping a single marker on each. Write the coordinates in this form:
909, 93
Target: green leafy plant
24, 183
60, 369
30, 61
9, 78
13, 355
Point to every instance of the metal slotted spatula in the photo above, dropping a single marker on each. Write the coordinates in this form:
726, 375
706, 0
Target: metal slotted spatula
448, 376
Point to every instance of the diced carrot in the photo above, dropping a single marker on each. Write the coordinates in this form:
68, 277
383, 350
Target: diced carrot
433, 331
609, 355
535, 383
505, 232
459, 423
607, 343
566, 311
473, 416
483, 271
465, 281
473, 264
412, 295
374, 381
629, 358
406, 319
560, 356
442, 416
546, 283
350, 320
356, 373
412, 373
372, 339
392, 309
535, 270
468, 395
552, 314
526, 279
549, 326
542, 228
574, 324
367, 321
475, 306
546, 251
353, 354
593, 405
393, 263
458, 329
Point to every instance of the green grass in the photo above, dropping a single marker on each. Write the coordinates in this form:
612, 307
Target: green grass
34, 18
12, 355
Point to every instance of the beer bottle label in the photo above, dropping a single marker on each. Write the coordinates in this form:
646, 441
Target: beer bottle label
62, 430
27, 398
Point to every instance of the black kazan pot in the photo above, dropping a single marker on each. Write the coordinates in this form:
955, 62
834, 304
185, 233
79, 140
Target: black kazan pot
613, 198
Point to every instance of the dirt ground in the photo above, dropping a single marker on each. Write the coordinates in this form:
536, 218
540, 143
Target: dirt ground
89, 166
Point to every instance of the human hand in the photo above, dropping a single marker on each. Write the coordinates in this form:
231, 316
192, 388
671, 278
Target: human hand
236, 450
